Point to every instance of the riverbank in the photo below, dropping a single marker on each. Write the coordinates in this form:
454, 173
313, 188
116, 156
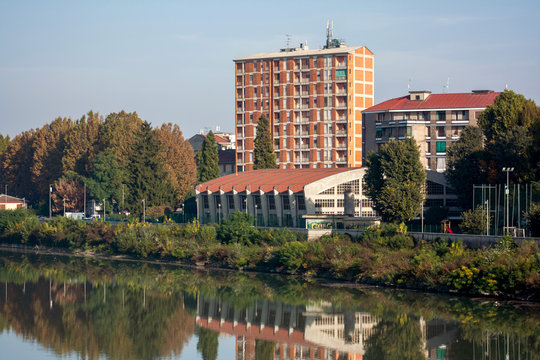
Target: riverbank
384, 255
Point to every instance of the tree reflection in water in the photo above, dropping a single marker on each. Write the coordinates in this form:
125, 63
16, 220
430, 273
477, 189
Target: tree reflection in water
102, 309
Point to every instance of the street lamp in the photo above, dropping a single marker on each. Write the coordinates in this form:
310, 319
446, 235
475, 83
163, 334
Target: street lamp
256, 215
50, 194
219, 213
143, 211
64, 200
104, 216
507, 170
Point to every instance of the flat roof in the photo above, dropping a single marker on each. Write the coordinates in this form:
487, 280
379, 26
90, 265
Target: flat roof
267, 180
300, 53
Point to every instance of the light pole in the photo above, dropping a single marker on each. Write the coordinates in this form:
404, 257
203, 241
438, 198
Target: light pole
507, 170
219, 213
487, 217
183, 214
50, 208
104, 216
123, 185
143, 211
84, 209
64, 200
256, 215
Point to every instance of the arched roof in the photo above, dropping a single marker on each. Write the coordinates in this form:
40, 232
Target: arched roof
269, 179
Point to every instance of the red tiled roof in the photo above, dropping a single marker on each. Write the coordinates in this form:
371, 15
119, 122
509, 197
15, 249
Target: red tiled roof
219, 139
438, 101
6, 199
269, 179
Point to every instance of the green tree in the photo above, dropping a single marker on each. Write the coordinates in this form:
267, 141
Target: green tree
396, 338
264, 350
474, 221
395, 179
265, 157
147, 179
208, 343
4, 143
533, 219
467, 164
509, 125
105, 181
207, 159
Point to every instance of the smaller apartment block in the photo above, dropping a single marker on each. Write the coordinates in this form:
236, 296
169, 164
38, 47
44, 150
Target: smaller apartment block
434, 120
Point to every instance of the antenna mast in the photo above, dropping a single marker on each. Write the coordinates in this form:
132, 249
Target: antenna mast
288, 40
446, 87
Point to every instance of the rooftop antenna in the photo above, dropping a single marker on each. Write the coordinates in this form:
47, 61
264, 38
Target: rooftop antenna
329, 32
446, 87
288, 40
409, 86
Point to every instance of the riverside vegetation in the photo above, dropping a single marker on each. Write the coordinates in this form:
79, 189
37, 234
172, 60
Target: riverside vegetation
385, 255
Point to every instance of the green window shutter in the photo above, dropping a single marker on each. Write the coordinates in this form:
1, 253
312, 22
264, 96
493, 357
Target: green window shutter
441, 146
341, 72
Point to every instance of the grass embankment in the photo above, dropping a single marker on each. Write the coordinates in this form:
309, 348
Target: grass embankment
384, 255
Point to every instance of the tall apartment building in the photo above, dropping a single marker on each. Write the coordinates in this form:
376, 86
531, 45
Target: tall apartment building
433, 120
313, 99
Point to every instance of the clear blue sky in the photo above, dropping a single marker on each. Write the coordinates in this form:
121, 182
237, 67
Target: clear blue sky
171, 61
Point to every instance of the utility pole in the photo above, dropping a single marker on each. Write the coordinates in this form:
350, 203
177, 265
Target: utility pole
84, 209
104, 211
507, 170
487, 217
123, 185
50, 207
64, 200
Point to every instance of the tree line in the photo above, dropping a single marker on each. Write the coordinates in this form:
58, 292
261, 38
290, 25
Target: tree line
120, 159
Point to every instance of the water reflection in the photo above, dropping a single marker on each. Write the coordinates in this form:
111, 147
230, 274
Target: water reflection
128, 311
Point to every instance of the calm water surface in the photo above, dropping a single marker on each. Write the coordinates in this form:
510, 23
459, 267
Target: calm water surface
69, 308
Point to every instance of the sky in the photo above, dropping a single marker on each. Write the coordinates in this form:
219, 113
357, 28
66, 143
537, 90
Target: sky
172, 61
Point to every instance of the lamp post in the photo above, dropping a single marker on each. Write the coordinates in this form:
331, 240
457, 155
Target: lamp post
219, 213
507, 170
50, 208
143, 211
64, 200
104, 216
256, 214
487, 217
183, 213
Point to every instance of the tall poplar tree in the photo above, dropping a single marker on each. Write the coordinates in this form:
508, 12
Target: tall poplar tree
265, 157
207, 159
147, 179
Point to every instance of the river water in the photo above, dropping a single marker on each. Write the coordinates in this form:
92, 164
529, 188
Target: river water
54, 307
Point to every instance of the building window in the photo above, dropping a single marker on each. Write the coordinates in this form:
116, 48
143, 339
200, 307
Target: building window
285, 202
441, 146
205, 201
230, 201
257, 201
341, 74
434, 189
353, 185
327, 61
441, 131
271, 202
217, 198
243, 202
300, 202
441, 115
324, 203
330, 191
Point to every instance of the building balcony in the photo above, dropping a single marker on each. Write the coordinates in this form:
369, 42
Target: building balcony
341, 120
341, 160
341, 106
341, 78
239, 110
341, 146
341, 133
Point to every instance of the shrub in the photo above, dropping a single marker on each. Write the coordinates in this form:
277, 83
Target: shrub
474, 222
391, 236
9, 217
291, 255
207, 234
237, 228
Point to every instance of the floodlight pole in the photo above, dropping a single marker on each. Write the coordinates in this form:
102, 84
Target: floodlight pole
507, 170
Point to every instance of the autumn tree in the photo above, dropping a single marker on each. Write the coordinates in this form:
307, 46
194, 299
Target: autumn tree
207, 159
82, 144
146, 178
178, 160
70, 191
48, 146
16, 163
265, 157
118, 133
395, 179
